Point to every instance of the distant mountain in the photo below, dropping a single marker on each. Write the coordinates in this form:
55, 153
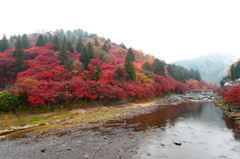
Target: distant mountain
211, 67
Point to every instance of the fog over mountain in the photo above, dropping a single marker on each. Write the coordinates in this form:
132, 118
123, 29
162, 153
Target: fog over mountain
212, 67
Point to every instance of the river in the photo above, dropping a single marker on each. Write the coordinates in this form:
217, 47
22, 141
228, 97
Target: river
200, 129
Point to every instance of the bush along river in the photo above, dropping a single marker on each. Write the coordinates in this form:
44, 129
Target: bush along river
193, 129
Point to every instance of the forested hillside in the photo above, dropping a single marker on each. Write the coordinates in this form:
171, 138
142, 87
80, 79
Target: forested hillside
212, 67
233, 73
66, 67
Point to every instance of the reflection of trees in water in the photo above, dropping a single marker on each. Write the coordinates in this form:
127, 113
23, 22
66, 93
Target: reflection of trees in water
161, 115
232, 125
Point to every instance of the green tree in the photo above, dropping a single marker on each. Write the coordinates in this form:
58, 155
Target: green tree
25, 42
108, 40
90, 51
123, 46
56, 44
40, 41
158, 67
109, 47
237, 71
64, 39
18, 53
74, 39
63, 55
84, 58
4, 44
171, 71
129, 67
197, 75
69, 46
118, 73
147, 66
79, 46
96, 42
105, 48
192, 74
50, 38
97, 73
232, 70
131, 54
7, 101
68, 65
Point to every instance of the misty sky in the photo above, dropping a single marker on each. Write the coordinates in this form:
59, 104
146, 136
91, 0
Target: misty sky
170, 30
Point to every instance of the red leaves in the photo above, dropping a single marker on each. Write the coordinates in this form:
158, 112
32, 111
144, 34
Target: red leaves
231, 95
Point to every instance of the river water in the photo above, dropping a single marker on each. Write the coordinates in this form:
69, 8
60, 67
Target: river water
200, 127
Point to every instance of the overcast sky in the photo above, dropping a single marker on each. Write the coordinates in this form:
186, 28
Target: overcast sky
170, 30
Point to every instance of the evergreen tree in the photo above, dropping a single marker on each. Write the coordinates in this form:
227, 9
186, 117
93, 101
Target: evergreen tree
232, 70
79, 46
158, 67
19, 37
131, 54
171, 71
64, 39
123, 46
109, 47
90, 51
56, 44
118, 73
68, 65
96, 74
18, 53
96, 42
84, 58
108, 40
147, 66
50, 38
69, 46
4, 44
11, 39
46, 39
192, 74
237, 71
85, 34
63, 55
197, 75
105, 48
40, 41
74, 39
25, 42
129, 67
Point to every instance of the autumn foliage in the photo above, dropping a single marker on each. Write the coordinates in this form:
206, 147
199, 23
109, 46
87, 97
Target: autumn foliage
231, 95
44, 80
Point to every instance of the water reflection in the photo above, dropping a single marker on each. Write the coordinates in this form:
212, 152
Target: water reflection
200, 127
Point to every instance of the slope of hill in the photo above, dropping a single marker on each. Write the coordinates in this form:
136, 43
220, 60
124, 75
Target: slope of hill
211, 67
72, 66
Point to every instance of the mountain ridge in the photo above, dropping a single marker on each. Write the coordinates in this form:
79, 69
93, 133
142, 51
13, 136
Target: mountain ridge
212, 67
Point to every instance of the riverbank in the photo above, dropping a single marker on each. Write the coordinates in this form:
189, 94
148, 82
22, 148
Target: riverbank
194, 125
65, 120
219, 102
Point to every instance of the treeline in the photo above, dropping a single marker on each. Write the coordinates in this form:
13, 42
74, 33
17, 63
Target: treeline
233, 73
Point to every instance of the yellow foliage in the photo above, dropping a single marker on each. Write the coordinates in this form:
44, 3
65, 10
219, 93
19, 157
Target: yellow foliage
29, 80
119, 51
141, 78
